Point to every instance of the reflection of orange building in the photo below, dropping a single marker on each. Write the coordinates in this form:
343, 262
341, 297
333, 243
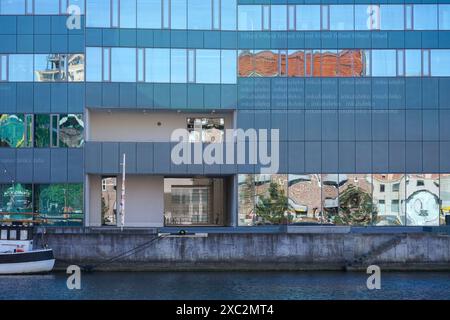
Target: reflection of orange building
345, 63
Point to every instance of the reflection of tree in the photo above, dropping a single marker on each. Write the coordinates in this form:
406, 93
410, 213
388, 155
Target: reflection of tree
246, 194
272, 208
355, 207
60, 198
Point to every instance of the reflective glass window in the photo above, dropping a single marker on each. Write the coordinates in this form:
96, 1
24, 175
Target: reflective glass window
165, 14
440, 63
46, 7
422, 200
329, 63
50, 67
408, 16
266, 17
355, 200
384, 63
157, 65
291, 17
278, 18
246, 199
208, 66
141, 65
296, 63
426, 63
149, 14
444, 17
93, 64
249, 17
392, 17
228, 17
16, 201
271, 199
12, 130
178, 69
71, 128
106, 64
12, 6
191, 65
98, 13
444, 184
54, 122
228, 67
42, 131
59, 204
246, 63
123, 64
425, 17
178, 14
413, 61
325, 17
400, 63
341, 17
389, 203
367, 17
199, 14
20, 67
128, 13
75, 67
304, 192
266, 63
308, 17
3, 67
215, 14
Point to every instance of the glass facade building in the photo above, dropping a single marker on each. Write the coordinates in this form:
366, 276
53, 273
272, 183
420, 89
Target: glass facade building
360, 94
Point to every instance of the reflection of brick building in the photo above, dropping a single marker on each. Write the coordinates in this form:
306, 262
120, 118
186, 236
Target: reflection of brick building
345, 63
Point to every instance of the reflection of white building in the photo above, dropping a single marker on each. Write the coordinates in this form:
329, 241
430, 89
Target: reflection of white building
410, 199
62, 67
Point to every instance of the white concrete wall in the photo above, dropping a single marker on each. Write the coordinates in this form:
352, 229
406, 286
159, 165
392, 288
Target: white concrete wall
94, 203
144, 206
137, 126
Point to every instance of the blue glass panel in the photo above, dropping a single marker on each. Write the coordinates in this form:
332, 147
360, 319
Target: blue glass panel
179, 14
46, 7
444, 17
21, 67
208, 66
93, 64
308, 17
157, 65
392, 17
413, 59
12, 7
278, 18
149, 14
228, 18
199, 14
249, 18
425, 17
229, 61
384, 63
440, 63
98, 13
178, 65
341, 17
123, 64
128, 13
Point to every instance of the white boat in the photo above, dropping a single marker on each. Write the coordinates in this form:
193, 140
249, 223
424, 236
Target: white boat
17, 255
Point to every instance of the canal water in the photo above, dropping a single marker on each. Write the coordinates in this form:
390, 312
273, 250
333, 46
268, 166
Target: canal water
228, 285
